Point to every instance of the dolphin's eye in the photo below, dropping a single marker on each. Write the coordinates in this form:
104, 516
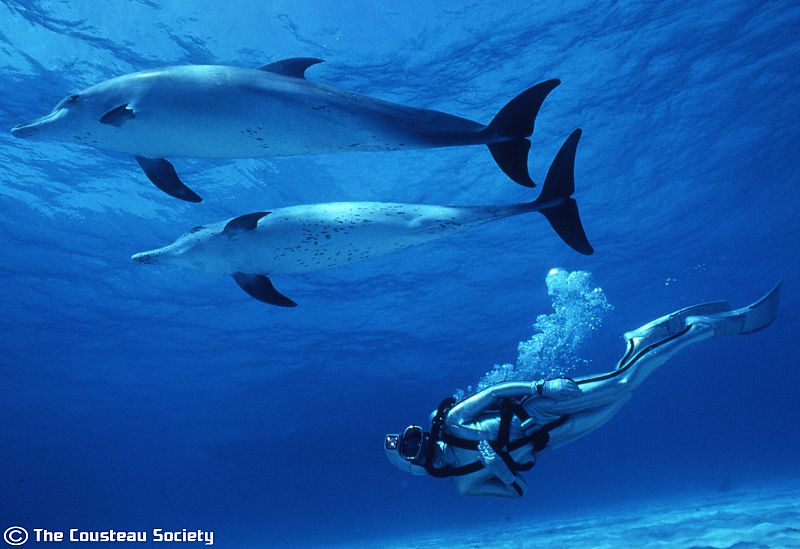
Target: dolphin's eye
198, 228
72, 98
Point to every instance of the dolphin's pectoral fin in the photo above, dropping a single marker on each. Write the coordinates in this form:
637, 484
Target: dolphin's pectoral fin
117, 116
163, 176
261, 288
294, 67
246, 222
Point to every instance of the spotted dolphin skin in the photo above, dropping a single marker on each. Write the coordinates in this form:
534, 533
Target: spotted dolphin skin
210, 111
313, 237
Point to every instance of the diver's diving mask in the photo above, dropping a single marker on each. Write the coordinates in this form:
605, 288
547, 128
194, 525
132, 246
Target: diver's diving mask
406, 451
410, 445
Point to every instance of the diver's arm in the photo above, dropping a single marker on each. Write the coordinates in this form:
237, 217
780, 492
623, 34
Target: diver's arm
471, 408
494, 464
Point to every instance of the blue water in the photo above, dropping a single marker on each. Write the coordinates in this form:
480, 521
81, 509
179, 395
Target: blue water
142, 397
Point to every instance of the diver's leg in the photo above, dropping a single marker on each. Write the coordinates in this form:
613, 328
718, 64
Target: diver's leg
584, 422
690, 326
605, 389
654, 344
666, 326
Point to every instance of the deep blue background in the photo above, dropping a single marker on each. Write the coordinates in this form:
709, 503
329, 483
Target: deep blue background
140, 397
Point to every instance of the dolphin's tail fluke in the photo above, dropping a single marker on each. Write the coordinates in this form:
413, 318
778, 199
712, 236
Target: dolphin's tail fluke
507, 135
556, 202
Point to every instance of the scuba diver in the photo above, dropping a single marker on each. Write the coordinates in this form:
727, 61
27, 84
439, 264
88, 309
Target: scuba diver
486, 440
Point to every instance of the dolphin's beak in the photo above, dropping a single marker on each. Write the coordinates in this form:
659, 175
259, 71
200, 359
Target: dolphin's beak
148, 258
36, 126
20, 130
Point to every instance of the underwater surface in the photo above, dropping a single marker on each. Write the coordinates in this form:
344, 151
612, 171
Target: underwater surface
137, 397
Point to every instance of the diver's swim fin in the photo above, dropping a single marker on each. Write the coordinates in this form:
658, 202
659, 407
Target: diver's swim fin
507, 134
555, 202
261, 288
746, 320
163, 176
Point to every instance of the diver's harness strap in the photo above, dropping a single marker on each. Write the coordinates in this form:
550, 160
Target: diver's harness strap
509, 408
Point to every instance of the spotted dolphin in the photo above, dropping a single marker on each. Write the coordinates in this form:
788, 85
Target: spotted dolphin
211, 111
313, 237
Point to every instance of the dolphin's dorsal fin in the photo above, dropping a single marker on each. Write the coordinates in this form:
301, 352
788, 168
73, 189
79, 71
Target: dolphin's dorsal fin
294, 67
261, 288
246, 222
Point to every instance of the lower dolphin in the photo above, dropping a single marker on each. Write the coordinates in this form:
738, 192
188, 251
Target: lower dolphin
312, 237
211, 111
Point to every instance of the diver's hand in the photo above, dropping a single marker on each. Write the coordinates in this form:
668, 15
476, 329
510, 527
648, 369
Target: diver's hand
494, 463
558, 389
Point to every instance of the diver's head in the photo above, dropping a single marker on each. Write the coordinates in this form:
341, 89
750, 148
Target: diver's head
407, 451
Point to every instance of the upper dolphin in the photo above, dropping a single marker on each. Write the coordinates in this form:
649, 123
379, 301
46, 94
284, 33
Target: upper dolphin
211, 111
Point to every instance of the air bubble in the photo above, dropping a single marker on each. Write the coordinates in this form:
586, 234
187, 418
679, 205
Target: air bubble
579, 309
